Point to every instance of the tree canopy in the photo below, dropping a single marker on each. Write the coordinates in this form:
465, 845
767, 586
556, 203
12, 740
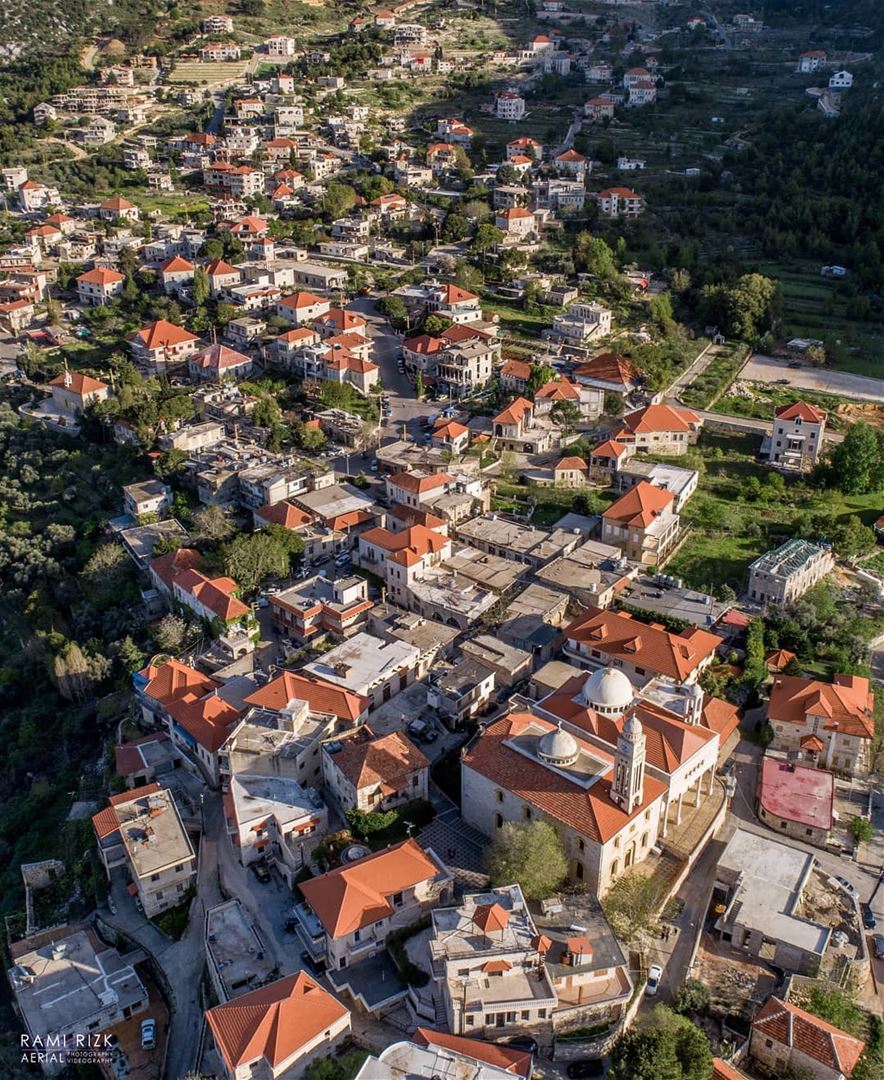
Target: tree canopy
662, 1046
531, 855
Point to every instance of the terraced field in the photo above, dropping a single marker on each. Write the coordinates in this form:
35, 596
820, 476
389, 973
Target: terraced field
208, 74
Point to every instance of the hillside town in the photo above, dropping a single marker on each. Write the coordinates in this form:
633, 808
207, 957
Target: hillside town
445, 624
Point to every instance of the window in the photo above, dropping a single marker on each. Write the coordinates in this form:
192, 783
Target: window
615, 866
526, 813
357, 936
179, 868
768, 1043
525, 1015
647, 815
463, 972
397, 899
581, 845
499, 820
154, 877
541, 1014
616, 841
470, 1021
498, 795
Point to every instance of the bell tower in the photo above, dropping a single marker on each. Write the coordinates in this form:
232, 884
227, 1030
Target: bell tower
629, 766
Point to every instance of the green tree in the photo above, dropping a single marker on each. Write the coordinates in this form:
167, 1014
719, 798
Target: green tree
593, 255
212, 524
202, 289
692, 998
861, 829
395, 310
540, 375
744, 309
566, 415
338, 199
487, 238
252, 558
309, 438
456, 227
631, 904
852, 539
753, 668
170, 633
436, 324
857, 463
419, 386
530, 855
468, 276
661, 1046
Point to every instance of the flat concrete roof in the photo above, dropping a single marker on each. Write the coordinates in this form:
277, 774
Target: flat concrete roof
235, 948
152, 833
770, 878
260, 797
65, 983
364, 660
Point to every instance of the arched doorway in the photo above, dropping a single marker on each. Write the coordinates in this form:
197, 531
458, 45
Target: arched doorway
629, 857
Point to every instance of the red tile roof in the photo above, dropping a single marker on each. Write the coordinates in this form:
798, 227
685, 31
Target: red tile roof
589, 811
300, 300
387, 761
517, 1062
648, 645
560, 389
320, 696
609, 367
640, 506
514, 413
274, 1022
174, 681
176, 265
127, 757
286, 514
453, 294
658, 418
416, 538
847, 703
793, 1027
569, 463
117, 202
77, 383
669, 741
418, 484
722, 1071
215, 594
354, 896
423, 345
209, 720
609, 449
100, 276
157, 335
219, 358
167, 567
801, 410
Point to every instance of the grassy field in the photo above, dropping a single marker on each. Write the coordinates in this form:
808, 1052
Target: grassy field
812, 307
714, 381
208, 74
767, 397
728, 530
175, 203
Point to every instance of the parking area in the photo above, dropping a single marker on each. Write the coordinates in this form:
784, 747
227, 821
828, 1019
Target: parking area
761, 368
411, 705
127, 1059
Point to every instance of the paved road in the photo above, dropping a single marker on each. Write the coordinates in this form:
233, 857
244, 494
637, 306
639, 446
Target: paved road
697, 368
761, 368
386, 348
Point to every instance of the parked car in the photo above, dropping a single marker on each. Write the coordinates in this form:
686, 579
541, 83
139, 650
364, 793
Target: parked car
878, 945
148, 1034
655, 974
869, 920
261, 872
291, 926
847, 887
520, 1042
583, 1067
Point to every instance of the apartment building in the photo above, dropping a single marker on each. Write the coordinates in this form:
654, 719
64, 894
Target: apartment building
487, 963
783, 575
581, 323
347, 913
99, 285
277, 1031
367, 667
461, 692
659, 429
374, 772
318, 606
642, 651
619, 202
510, 106
797, 439
70, 989
643, 524
829, 725
142, 830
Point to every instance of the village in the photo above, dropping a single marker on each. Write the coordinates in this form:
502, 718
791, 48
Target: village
495, 684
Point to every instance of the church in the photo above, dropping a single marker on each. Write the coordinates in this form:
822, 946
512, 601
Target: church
610, 770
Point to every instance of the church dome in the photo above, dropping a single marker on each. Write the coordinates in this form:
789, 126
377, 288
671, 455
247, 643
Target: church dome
608, 691
632, 729
558, 747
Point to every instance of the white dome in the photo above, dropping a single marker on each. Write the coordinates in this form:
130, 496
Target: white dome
632, 728
558, 747
608, 690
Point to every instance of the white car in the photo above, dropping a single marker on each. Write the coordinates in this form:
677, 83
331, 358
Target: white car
148, 1034
655, 974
